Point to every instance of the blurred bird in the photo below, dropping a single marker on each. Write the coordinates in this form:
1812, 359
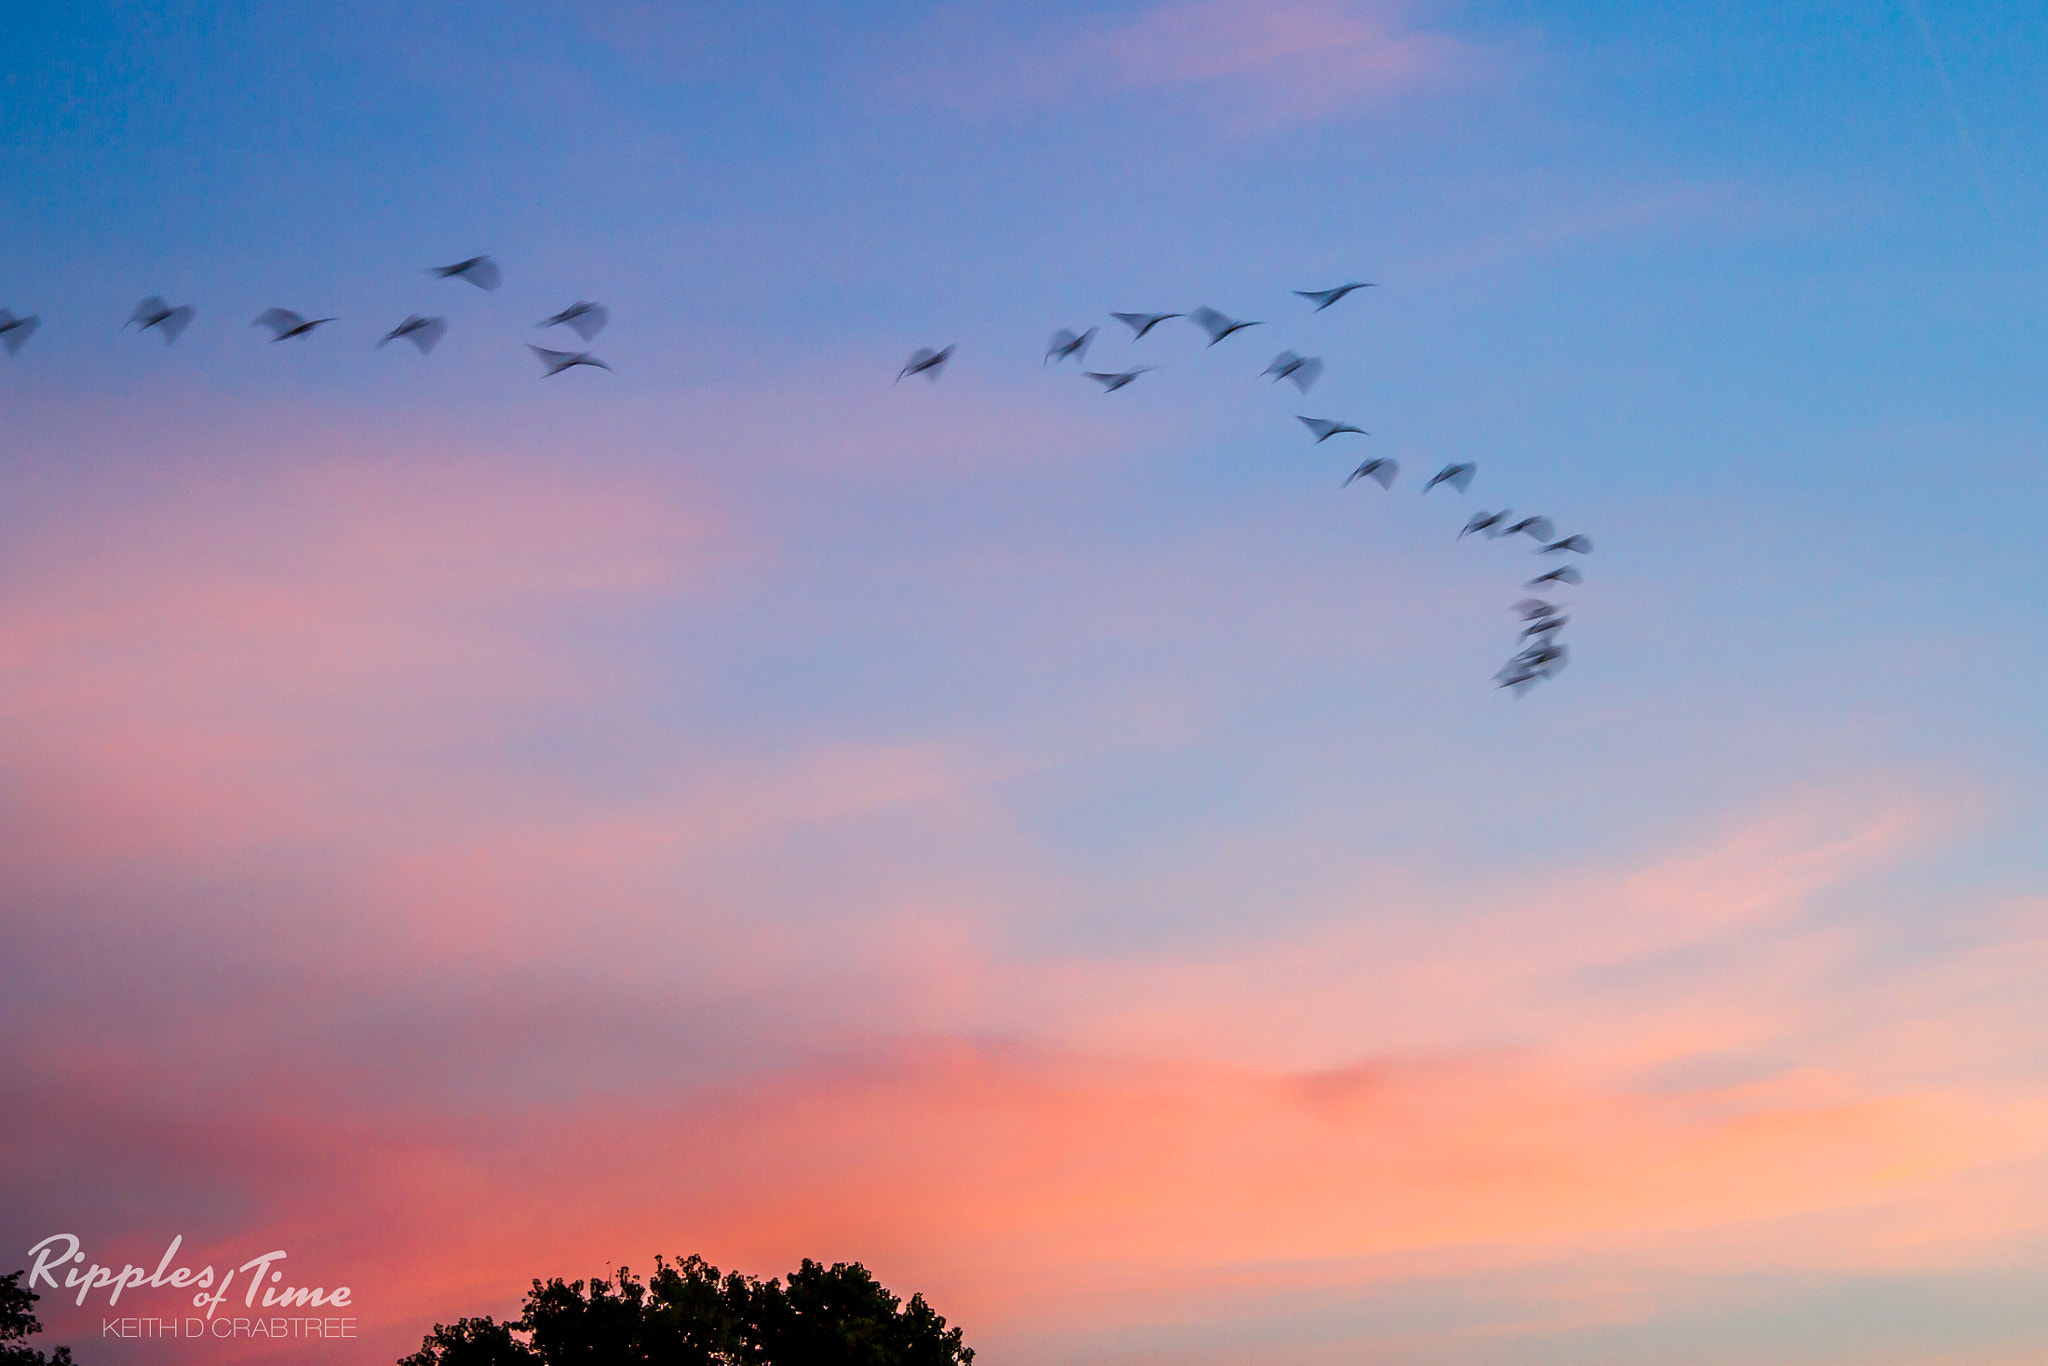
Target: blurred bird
1304, 371
1486, 522
1111, 383
926, 362
1574, 543
1562, 574
1457, 476
1065, 343
1539, 527
154, 312
1544, 626
1325, 429
1382, 469
480, 271
15, 332
425, 333
558, 361
1217, 325
1540, 660
1323, 298
1531, 608
1141, 323
286, 323
584, 317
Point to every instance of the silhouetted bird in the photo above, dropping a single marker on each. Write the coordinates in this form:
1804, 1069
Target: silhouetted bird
1382, 469
1141, 323
154, 312
15, 332
1458, 477
1111, 383
1323, 298
1539, 527
1217, 325
286, 323
1539, 661
1486, 522
480, 271
1545, 625
1564, 573
1325, 429
1531, 608
1304, 371
425, 333
1574, 543
926, 362
558, 361
585, 318
1065, 343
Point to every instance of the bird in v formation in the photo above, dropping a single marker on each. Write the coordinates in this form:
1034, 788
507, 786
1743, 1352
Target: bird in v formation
1535, 661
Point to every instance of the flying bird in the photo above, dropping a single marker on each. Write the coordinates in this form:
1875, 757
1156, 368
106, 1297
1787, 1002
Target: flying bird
1458, 476
425, 333
1574, 543
584, 317
1323, 298
1539, 527
480, 271
1325, 429
15, 332
1141, 323
1304, 371
1217, 325
1381, 469
1111, 383
926, 362
154, 312
1486, 522
558, 361
1564, 573
1531, 608
286, 323
1545, 625
1065, 343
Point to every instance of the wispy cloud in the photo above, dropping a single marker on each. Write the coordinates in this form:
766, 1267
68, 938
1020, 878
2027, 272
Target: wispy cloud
1256, 64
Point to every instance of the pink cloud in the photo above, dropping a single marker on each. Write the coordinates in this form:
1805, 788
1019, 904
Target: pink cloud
1260, 64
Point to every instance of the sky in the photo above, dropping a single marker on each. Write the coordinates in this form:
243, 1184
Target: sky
1060, 849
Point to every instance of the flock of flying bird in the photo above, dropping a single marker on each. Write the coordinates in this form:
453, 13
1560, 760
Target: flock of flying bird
1540, 653
584, 318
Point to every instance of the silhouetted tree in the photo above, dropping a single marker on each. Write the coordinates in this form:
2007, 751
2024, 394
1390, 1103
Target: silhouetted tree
18, 1321
688, 1313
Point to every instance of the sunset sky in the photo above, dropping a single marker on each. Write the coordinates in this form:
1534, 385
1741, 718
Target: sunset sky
1059, 849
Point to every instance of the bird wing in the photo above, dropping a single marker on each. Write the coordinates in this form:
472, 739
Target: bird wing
427, 333
148, 311
1210, 321
278, 320
1575, 543
1307, 373
588, 319
175, 321
1061, 344
1322, 427
18, 331
554, 360
480, 271
1284, 364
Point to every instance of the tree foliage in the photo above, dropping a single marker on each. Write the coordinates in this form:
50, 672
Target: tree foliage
688, 1313
18, 1321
